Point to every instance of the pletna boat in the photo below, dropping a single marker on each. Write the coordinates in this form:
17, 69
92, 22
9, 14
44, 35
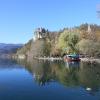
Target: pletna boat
72, 57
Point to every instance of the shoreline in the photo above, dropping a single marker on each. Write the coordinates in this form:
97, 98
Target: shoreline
91, 60
49, 58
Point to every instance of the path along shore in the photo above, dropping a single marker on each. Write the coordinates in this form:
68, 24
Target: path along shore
49, 58
91, 60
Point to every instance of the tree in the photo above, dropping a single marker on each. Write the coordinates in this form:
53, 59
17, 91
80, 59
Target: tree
83, 31
62, 42
72, 41
40, 48
67, 42
89, 47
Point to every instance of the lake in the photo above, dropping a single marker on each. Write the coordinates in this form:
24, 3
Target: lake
45, 80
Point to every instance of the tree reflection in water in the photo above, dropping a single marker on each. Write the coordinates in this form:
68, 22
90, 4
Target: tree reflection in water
70, 74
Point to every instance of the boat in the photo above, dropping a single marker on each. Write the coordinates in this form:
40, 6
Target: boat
72, 57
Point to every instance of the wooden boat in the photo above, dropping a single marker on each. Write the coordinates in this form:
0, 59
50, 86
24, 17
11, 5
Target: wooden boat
72, 57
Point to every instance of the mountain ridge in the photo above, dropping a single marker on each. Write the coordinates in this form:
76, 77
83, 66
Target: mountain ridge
6, 48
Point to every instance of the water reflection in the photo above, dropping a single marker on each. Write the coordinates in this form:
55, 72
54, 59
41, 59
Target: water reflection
8, 64
89, 77
69, 74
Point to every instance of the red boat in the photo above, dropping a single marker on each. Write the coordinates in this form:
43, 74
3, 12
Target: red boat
72, 57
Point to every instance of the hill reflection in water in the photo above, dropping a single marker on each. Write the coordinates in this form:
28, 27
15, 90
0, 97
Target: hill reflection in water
69, 74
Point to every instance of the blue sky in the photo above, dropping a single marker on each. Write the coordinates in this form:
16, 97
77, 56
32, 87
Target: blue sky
19, 18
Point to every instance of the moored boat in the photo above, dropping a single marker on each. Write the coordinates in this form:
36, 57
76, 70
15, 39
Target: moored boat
72, 57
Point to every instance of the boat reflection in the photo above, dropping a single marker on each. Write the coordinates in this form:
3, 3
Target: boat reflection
72, 64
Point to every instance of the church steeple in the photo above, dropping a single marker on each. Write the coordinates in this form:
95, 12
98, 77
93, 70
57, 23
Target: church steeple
91, 32
89, 29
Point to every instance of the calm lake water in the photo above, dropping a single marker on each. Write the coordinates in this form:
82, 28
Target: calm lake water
40, 80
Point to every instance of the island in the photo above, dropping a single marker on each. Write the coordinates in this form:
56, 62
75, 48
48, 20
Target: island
83, 40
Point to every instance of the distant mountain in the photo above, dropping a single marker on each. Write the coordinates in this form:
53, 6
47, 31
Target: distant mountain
9, 48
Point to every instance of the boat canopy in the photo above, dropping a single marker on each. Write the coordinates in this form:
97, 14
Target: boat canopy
73, 55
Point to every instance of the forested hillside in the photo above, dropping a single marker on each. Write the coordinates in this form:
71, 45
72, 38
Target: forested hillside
83, 39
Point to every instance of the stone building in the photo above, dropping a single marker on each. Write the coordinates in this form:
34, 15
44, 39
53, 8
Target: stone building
40, 33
